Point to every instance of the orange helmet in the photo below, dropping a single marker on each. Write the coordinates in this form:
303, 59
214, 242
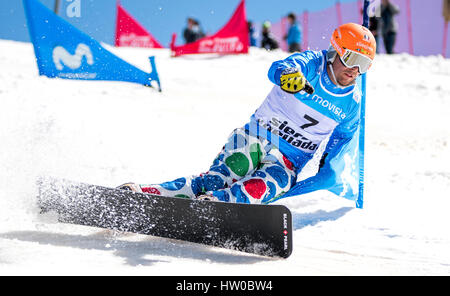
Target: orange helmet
355, 46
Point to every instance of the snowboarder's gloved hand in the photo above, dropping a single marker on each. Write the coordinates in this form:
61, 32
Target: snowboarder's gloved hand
293, 81
130, 187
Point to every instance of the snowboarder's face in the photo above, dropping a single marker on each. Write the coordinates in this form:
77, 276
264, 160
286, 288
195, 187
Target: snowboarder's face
344, 76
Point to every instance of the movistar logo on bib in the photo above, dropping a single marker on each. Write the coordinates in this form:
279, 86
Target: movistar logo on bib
329, 106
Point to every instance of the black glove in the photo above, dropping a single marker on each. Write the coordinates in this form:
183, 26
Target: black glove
322, 161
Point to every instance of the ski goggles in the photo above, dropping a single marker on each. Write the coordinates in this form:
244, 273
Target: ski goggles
352, 59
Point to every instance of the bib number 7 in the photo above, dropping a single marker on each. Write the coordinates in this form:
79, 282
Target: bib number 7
311, 120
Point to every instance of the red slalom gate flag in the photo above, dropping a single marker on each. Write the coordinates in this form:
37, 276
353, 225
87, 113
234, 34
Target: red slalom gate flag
233, 38
130, 33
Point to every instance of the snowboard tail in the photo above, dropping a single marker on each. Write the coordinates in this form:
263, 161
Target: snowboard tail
260, 229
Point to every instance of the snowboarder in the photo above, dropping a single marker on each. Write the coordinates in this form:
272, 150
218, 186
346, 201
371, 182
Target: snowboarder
314, 96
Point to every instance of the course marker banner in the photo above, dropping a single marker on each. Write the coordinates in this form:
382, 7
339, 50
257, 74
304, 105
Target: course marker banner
64, 51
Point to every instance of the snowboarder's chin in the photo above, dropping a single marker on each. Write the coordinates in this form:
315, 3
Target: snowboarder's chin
345, 80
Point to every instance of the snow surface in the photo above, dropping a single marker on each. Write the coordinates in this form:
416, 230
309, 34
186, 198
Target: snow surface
109, 133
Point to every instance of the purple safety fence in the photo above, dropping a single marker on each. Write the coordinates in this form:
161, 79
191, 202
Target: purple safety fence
422, 29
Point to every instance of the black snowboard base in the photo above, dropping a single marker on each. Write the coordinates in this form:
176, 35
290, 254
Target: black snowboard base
260, 229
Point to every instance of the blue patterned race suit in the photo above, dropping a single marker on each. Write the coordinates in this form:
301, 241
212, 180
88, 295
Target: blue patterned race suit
247, 170
261, 160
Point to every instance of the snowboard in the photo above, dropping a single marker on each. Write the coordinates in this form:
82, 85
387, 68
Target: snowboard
260, 229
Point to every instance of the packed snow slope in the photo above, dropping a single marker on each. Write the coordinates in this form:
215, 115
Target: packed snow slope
109, 133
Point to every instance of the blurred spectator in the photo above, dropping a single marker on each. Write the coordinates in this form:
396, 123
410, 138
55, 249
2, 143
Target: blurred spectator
373, 27
192, 32
268, 41
294, 35
389, 26
252, 33
198, 30
446, 10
